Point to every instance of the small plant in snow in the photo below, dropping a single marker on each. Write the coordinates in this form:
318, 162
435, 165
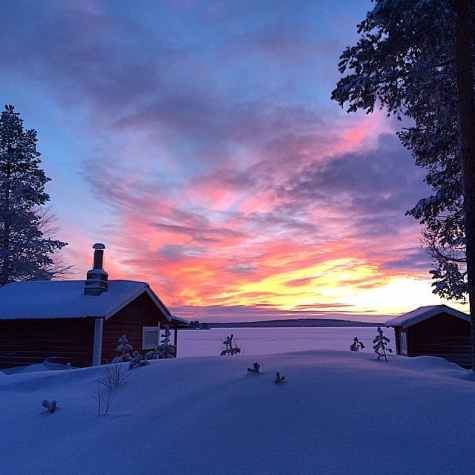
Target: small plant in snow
51, 406
104, 398
255, 368
137, 360
165, 349
278, 378
112, 377
124, 348
356, 345
380, 345
230, 347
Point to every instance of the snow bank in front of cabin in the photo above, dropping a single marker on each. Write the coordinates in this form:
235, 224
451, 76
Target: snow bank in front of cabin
336, 412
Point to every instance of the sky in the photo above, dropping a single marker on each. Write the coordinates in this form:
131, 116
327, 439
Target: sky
198, 142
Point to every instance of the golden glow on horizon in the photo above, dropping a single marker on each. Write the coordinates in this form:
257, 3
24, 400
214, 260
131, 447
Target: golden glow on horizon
217, 245
333, 281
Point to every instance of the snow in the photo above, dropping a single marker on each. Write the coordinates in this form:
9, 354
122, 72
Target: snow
267, 341
423, 313
336, 412
66, 299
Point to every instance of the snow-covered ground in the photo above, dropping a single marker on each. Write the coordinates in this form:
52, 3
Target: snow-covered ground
267, 341
336, 412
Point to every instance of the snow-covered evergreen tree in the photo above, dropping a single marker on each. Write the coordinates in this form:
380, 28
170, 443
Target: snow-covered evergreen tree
124, 348
137, 360
26, 252
230, 347
165, 349
381, 345
356, 345
415, 58
406, 61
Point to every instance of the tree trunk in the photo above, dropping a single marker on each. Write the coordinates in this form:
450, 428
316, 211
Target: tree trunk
466, 116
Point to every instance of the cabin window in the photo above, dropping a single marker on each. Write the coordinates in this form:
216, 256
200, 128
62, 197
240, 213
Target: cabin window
150, 337
403, 343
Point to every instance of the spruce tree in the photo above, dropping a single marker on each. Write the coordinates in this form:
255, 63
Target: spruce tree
380, 346
26, 253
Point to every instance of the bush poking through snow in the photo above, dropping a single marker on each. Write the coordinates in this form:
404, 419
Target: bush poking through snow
137, 360
112, 377
255, 368
230, 347
381, 345
356, 345
51, 406
278, 378
104, 398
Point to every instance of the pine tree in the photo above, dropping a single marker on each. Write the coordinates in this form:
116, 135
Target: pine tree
415, 59
124, 348
26, 252
381, 345
405, 60
165, 349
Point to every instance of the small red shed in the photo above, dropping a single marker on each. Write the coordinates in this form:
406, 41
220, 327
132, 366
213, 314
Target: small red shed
79, 322
436, 330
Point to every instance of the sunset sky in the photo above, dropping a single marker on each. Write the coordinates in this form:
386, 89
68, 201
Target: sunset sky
197, 140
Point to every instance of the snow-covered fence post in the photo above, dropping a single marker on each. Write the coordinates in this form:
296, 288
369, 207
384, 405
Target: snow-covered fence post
356, 345
380, 345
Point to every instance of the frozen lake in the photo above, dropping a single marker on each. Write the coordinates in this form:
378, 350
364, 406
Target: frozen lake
268, 341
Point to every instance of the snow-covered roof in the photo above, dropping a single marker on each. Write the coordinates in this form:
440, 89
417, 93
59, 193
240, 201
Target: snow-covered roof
423, 313
66, 299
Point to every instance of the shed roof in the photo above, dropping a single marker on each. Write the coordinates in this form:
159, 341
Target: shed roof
66, 299
423, 313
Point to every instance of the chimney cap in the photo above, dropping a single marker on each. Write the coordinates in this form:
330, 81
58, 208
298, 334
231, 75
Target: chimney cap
98, 245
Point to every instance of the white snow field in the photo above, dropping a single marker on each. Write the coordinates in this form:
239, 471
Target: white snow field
267, 341
336, 412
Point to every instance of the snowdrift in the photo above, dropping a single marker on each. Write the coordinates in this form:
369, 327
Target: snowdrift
335, 412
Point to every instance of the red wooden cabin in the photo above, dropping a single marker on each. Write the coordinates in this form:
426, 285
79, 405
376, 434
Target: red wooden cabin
79, 322
436, 330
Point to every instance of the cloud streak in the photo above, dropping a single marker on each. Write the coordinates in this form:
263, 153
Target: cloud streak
198, 142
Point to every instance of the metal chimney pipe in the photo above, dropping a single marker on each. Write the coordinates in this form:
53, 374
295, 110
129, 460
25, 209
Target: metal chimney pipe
98, 261
97, 278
